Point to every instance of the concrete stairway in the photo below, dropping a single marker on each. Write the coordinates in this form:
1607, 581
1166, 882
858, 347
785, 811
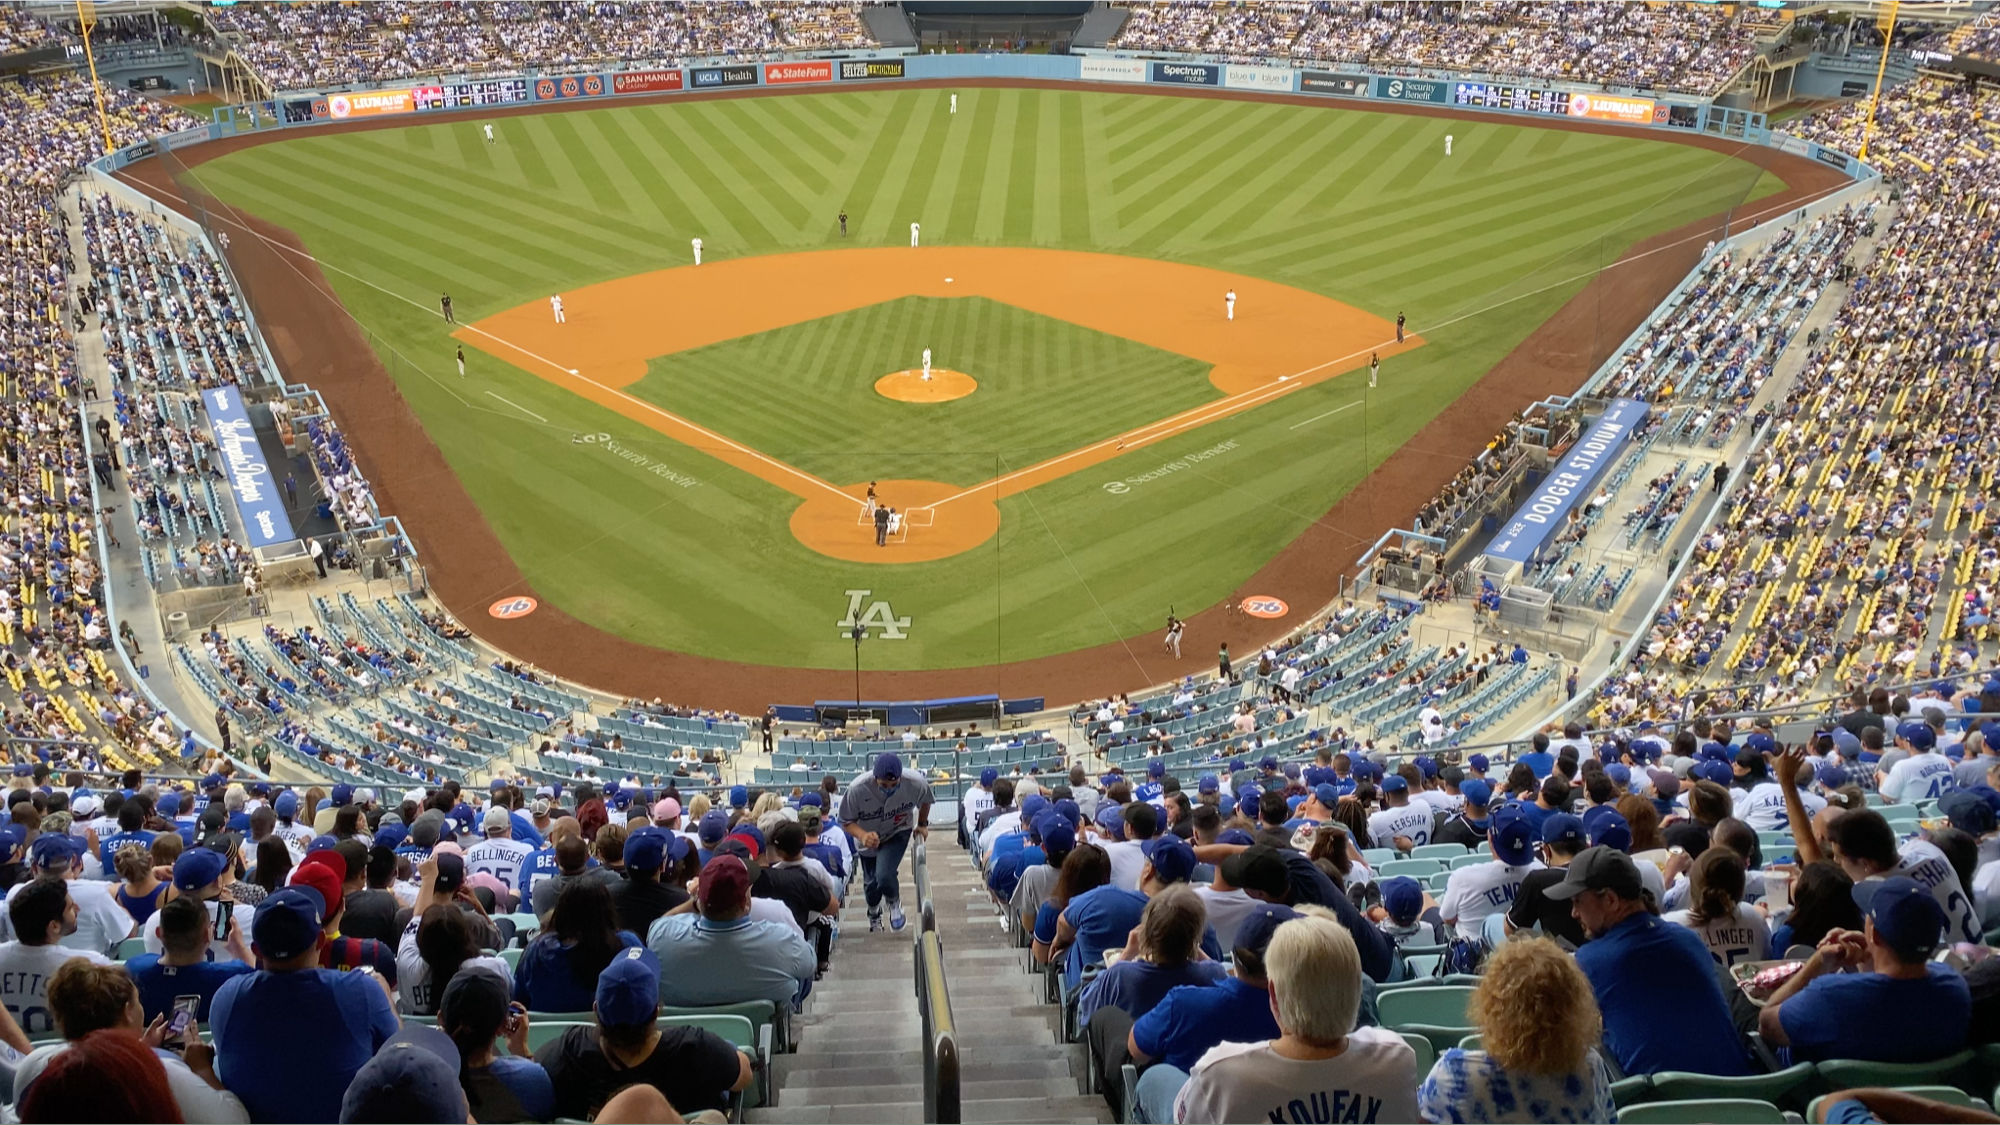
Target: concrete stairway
860, 1056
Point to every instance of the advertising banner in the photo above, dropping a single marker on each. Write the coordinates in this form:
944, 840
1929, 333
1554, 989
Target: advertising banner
1609, 107
369, 103
1113, 70
1568, 483
569, 86
645, 81
1257, 78
871, 68
1412, 90
250, 479
1521, 99
786, 73
1188, 74
1832, 157
709, 77
1326, 82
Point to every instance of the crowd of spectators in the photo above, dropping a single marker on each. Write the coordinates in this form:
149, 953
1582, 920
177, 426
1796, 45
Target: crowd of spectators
1670, 46
1857, 550
296, 46
20, 31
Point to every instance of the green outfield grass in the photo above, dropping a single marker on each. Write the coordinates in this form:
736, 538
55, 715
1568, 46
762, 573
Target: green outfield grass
1478, 249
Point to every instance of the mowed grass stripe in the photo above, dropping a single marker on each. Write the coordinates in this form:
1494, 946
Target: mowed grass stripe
707, 205
630, 158
1204, 202
752, 217
845, 186
781, 190
804, 141
1075, 228
1138, 147
1002, 157
876, 220
1303, 153
544, 132
979, 150
948, 172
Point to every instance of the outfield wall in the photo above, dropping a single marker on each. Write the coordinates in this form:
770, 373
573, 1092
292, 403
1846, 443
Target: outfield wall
1544, 100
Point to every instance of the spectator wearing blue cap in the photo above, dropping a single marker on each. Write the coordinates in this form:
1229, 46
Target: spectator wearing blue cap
1057, 835
884, 812
256, 1017
977, 799
1982, 755
543, 864
1016, 851
640, 898
1404, 906
1402, 823
101, 923
39, 917
694, 1068
1875, 995
1167, 1040
1128, 854
199, 874
185, 968
1162, 952
1562, 839
1475, 892
1924, 775
1102, 919
130, 819
1759, 800
1471, 824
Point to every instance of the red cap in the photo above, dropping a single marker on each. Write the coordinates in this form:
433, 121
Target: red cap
724, 884
321, 876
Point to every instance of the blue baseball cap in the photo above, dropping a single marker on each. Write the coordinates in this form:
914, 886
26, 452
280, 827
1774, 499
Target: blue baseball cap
1403, 898
1394, 783
389, 836
1611, 830
342, 794
1247, 803
628, 990
988, 776
1270, 762
1234, 836
413, 1077
646, 850
197, 868
1156, 768
1620, 773
1905, 916
1254, 932
888, 767
1209, 783
286, 806
1426, 765
1069, 810
1512, 835
714, 826
1919, 735
739, 795
286, 923
1719, 772
1967, 811
1478, 794
1477, 763
1173, 861
1056, 833
1326, 795
170, 804
1562, 828
1032, 806
55, 851
1761, 743
1831, 775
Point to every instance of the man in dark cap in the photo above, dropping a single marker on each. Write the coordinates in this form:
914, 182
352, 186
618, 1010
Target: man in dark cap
883, 813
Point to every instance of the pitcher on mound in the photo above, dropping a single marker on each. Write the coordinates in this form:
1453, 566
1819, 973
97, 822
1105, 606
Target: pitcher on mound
927, 365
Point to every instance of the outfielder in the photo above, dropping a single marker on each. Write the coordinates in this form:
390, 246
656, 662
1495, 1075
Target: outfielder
555, 306
913, 236
927, 365
1447, 144
1374, 367
461, 362
954, 103
1229, 305
489, 132
697, 251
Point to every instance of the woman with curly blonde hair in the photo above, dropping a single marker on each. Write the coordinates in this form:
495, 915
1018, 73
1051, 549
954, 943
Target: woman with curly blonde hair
1539, 1027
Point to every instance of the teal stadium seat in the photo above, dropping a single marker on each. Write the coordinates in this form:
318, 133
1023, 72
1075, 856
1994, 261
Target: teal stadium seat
1706, 1111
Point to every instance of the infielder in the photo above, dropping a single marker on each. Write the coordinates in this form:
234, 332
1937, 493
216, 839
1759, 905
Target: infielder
927, 365
461, 362
1447, 144
913, 236
1175, 627
1229, 305
954, 103
1374, 367
489, 132
555, 306
871, 499
697, 251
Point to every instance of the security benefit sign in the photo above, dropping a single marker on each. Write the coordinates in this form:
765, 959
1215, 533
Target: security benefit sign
250, 479
1569, 482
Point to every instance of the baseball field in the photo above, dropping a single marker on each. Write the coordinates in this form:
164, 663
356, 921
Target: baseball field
683, 462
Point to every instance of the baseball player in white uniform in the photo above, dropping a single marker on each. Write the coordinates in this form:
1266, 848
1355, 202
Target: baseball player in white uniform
954, 103
1374, 367
1229, 305
489, 132
927, 365
1447, 144
913, 236
895, 522
555, 306
697, 251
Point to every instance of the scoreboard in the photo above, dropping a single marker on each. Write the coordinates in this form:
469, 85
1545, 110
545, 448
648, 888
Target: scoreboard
1527, 99
460, 95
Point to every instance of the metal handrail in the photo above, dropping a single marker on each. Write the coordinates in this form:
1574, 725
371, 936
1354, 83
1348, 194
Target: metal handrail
920, 875
941, 1077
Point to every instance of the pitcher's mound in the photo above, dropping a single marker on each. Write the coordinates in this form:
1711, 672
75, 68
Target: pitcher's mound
909, 386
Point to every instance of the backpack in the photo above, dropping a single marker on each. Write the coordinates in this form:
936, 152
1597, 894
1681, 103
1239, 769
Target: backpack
1461, 956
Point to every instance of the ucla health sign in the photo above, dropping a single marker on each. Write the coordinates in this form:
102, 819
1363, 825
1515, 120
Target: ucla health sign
255, 486
1188, 74
1568, 483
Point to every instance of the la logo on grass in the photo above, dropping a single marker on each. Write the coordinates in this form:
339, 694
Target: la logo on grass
878, 615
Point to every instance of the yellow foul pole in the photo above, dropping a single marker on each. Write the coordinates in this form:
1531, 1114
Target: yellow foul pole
86, 18
1888, 37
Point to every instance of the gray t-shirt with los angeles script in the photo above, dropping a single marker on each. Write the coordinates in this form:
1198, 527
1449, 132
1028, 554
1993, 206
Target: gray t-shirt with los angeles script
886, 812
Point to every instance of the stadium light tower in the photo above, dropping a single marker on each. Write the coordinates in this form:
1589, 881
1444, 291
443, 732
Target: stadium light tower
86, 19
860, 631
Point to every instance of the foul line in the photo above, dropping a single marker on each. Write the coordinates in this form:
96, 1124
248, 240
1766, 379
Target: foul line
1328, 414
518, 406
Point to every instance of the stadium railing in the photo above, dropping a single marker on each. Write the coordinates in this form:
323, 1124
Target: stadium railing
941, 1076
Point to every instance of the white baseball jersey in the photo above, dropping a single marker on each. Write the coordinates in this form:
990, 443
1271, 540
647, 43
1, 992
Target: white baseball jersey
499, 857
1412, 820
913, 234
1478, 890
1742, 936
1925, 862
1920, 777
1762, 806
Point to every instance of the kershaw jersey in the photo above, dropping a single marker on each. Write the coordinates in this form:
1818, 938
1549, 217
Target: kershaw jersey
1924, 862
1412, 821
